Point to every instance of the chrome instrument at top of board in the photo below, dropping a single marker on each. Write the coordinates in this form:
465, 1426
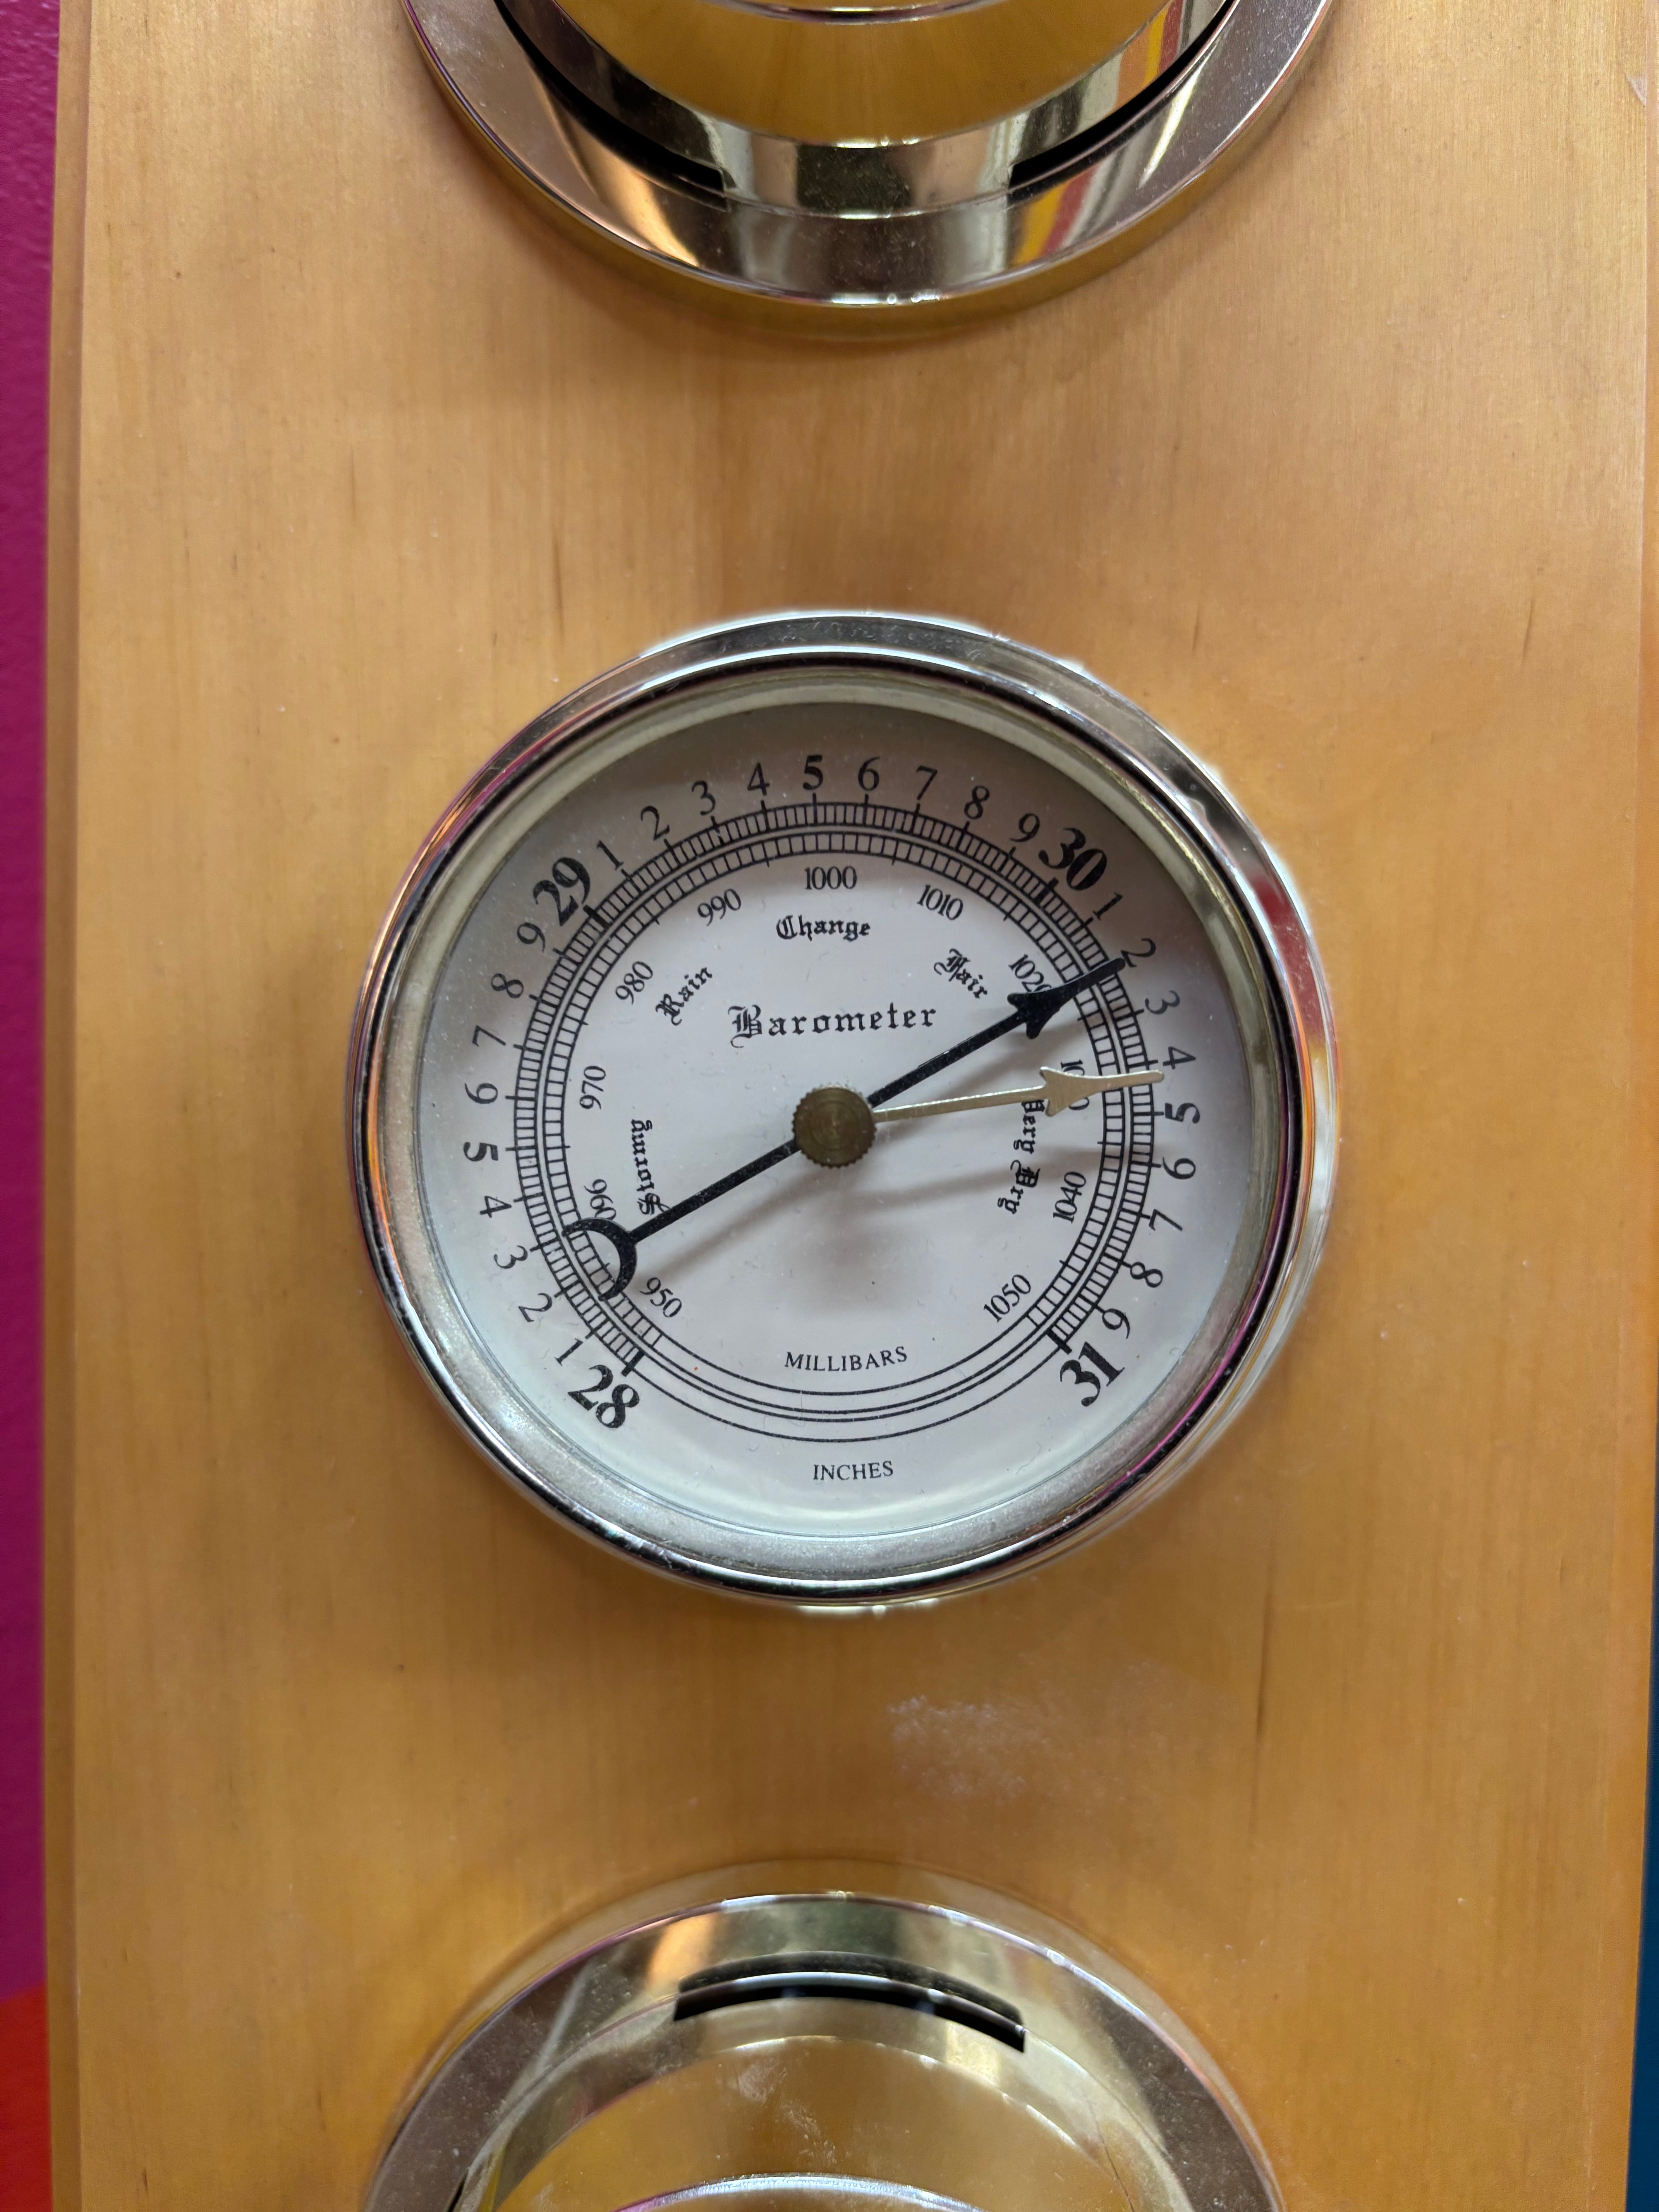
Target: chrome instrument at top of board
841, 1106
892, 156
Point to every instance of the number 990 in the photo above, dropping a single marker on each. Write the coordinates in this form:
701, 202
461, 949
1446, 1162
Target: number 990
722, 903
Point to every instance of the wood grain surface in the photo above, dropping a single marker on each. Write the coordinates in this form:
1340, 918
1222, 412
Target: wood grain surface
1340, 1745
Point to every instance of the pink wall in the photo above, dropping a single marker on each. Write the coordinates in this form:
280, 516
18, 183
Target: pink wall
29, 68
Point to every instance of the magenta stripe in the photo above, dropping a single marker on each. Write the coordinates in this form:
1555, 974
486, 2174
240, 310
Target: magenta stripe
28, 71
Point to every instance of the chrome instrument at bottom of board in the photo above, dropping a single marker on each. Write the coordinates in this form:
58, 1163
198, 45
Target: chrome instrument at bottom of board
824, 2038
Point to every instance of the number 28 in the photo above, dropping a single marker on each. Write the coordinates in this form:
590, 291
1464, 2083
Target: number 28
609, 1412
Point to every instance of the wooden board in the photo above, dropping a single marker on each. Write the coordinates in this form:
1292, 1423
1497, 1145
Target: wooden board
1341, 1745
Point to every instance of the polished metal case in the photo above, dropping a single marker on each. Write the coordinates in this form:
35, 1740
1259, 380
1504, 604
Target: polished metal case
923, 2026
1142, 773
802, 2192
872, 221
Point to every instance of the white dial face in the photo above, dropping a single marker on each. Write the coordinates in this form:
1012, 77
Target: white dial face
652, 950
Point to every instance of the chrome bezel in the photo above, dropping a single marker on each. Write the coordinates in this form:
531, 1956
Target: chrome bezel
881, 227
1105, 736
800, 2192
861, 177
594, 2013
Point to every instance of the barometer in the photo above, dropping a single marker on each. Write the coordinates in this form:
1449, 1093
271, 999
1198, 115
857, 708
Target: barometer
843, 1106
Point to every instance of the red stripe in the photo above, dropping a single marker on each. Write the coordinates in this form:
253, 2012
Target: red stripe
29, 68
25, 2150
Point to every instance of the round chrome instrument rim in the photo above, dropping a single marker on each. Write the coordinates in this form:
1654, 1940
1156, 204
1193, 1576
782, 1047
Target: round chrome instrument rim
843, 11
754, 1961
864, 225
803, 2192
861, 179
1096, 725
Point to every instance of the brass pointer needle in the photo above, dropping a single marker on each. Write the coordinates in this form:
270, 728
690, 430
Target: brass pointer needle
1055, 1086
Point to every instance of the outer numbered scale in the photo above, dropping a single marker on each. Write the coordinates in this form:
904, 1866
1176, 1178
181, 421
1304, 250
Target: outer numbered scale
843, 1106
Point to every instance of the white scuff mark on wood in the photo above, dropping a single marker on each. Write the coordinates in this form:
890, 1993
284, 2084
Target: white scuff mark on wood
965, 1750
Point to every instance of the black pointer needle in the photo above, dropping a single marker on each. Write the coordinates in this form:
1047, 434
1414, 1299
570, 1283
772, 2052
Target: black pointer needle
1035, 1008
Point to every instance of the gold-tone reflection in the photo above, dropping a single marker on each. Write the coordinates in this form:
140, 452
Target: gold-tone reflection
865, 78
819, 2105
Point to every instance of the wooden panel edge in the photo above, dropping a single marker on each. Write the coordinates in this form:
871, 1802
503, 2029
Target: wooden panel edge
1632, 1592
